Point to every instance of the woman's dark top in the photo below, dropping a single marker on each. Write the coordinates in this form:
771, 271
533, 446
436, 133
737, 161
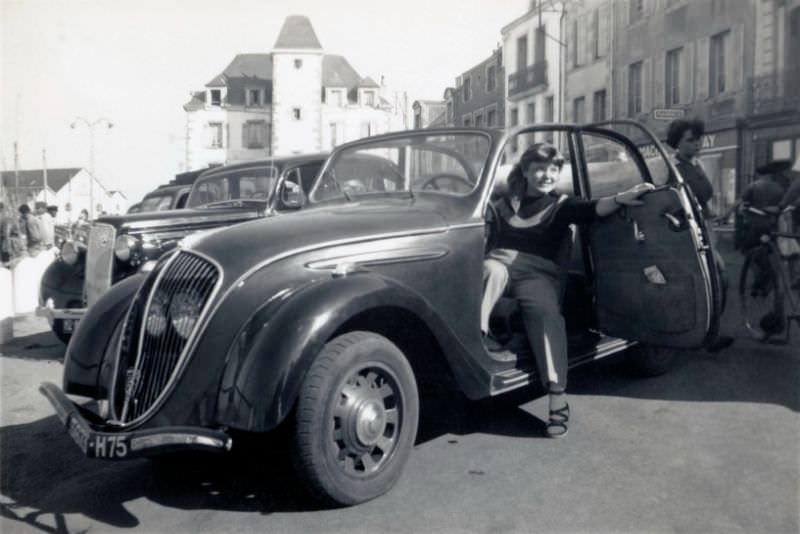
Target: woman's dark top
697, 180
541, 223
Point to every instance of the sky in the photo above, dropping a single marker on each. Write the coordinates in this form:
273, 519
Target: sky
135, 62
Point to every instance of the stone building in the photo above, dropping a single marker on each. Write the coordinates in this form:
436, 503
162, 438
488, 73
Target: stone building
295, 99
478, 99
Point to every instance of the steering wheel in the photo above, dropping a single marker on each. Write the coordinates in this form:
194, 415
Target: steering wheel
431, 183
492, 227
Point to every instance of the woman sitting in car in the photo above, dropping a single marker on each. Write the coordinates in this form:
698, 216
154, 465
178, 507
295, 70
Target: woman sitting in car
534, 221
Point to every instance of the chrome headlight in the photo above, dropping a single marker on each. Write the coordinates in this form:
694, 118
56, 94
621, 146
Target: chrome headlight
156, 321
123, 247
71, 251
184, 311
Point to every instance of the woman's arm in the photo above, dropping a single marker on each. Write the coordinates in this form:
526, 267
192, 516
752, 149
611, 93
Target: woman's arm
630, 197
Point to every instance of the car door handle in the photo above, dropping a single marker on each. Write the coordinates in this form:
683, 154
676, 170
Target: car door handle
677, 223
638, 235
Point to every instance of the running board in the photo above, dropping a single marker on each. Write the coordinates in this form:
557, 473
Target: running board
517, 377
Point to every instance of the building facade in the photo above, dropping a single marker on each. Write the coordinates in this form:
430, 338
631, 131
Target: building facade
533, 54
587, 35
681, 58
771, 129
428, 113
296, 99
479, 98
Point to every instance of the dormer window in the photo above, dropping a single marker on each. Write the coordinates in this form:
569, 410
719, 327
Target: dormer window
215, 97
336, 97
369, 98
254, 97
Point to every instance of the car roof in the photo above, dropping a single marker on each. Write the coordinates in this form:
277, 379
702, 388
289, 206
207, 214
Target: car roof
162, 189
277, 161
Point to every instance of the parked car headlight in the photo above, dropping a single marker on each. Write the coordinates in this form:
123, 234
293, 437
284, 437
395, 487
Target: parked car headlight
157, 314
184, 311
123, 247
71, 251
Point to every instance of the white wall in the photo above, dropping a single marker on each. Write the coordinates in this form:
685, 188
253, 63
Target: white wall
296, 88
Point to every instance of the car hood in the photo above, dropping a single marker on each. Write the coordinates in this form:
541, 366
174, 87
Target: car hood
238, 249
199, 218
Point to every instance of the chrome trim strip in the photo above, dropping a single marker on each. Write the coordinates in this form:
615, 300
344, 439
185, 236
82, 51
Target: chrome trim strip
144, 225
381, 257
91, 264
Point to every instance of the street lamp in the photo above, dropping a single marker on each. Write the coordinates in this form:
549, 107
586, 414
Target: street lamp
90, 125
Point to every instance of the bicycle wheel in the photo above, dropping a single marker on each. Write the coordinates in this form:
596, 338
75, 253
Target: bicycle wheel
759, 291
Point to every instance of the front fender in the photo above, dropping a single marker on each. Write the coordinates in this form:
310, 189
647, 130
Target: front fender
87, 347
268, 361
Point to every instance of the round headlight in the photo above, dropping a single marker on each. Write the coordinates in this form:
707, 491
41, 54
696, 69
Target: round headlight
156, 321
184, 311
123, 247
69, 252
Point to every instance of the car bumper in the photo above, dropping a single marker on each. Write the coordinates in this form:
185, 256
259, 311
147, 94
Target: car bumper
121, 445
51, 314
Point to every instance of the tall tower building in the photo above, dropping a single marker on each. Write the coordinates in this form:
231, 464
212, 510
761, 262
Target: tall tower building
296, 95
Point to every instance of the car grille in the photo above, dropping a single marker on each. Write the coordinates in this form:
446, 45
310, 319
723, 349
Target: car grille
99, 262
154, 337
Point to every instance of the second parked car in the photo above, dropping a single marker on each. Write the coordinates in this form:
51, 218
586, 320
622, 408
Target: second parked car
119, 246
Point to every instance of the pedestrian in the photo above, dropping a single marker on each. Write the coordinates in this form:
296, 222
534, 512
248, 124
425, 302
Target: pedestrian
30, 228
686, 136
47, 224
533, 223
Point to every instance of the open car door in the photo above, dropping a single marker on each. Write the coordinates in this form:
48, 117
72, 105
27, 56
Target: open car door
653, 271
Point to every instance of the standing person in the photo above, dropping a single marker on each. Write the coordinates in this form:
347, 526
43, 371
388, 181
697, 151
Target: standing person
534, 221
686, 136
30, 227
11, 242
47, 224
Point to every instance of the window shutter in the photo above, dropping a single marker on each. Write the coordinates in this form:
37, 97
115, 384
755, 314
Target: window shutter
588, 41
687, 73
245, 140
734, 59
659, 81
622, 92
647, 85
702, 66
602, 29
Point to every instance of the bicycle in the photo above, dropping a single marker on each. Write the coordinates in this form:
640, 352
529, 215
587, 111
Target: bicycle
769, 282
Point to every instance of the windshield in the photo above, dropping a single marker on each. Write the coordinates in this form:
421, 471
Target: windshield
156, 203
442, 164
235, 186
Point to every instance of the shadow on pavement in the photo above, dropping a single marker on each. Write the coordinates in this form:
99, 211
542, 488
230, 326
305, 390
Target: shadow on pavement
37, 346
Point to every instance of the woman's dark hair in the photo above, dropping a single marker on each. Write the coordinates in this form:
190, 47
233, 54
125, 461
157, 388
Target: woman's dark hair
536, 153
677, 127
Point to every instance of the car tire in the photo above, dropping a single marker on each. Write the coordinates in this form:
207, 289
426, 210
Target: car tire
649, 360
356, 419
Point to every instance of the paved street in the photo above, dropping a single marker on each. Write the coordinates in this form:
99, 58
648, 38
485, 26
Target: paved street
709, 447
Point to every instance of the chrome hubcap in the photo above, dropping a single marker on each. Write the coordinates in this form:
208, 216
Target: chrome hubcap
366, 421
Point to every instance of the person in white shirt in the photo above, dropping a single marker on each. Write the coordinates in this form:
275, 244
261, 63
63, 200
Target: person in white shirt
48, 225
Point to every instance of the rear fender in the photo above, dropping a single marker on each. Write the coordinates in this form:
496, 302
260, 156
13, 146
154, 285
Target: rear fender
268, 361
88, 346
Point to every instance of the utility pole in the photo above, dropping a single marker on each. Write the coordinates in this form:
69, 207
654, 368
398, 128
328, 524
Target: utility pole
44, 174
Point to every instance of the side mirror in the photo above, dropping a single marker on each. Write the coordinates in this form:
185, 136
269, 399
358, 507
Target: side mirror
292, 196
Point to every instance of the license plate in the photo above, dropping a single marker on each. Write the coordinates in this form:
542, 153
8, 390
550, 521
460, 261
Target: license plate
98, 445
69, 325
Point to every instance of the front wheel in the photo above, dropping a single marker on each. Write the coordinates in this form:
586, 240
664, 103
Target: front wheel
759, 291
356, 419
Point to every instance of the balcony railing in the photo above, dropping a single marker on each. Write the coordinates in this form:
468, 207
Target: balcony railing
531, 77
774, 93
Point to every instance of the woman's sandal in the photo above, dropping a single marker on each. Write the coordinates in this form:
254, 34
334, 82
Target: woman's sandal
557, 425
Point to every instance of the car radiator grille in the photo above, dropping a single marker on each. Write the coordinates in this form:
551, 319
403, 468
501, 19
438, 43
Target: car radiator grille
163, 317
99, 262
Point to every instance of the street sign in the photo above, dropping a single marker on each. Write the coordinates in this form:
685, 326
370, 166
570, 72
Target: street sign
667, 114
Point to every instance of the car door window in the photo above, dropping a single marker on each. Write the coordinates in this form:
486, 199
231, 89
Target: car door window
611, 166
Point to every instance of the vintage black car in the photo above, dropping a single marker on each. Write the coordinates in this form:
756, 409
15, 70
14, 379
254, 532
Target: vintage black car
116, 247
325, 320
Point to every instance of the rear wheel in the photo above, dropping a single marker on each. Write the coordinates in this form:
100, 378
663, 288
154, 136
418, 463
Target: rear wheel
356, 419
759, 291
